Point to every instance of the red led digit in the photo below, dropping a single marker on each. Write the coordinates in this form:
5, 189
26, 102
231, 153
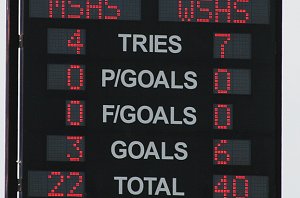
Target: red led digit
76, 140
222, 121
73, 186
232, 186
235, 188
80, 80
75, 108
225, 10
186, 14
116, 10
222, 187
59, 179
208, 12
75, 41
57, 4
227, 38
242, 11
217, 81
221, 157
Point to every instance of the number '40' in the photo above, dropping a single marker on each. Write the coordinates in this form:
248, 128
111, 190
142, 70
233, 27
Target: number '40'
232, 186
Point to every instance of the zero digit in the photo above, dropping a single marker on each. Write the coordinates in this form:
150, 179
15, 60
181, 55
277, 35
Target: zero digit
75, 113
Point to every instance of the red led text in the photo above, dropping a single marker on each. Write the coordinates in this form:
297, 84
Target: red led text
223, 116
85, 9
75, 113
221, 157
78, 78
65, 184
225, 40
75, 41
236, 187
76, 148
209, 11
227, 82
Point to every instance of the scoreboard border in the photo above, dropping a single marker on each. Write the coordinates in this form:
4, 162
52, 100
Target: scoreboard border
279, 96
12, 185
11, 133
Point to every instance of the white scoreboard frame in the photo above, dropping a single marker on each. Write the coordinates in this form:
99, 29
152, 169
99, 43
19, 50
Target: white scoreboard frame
291, 98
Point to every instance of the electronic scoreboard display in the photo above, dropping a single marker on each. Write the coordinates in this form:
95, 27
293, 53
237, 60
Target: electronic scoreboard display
151, 98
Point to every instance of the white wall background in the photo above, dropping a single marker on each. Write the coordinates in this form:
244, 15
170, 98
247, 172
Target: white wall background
291, 97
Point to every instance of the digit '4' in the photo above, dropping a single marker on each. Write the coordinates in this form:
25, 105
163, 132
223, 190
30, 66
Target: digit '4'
75, 41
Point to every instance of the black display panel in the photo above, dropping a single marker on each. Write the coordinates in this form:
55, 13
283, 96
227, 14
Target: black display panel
232, 81
232, 152
65, 148
142, 105
56, 184
66, 77
66, 41
233, 46
240, 186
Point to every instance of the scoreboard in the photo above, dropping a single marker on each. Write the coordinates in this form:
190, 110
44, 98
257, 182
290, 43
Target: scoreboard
151, 98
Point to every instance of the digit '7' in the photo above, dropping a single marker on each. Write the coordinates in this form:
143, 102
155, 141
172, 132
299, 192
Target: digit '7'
224, 38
